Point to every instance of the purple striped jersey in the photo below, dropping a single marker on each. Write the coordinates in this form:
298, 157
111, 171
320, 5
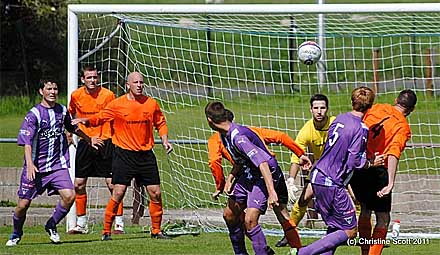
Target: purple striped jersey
249, 151
43, 129
345, 151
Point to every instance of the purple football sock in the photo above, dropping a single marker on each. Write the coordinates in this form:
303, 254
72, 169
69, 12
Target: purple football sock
258, 240
332, 251
236, 235
327, 243
59, 213
18, 224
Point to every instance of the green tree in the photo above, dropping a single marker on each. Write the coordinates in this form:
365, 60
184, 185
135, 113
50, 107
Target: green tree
33, 44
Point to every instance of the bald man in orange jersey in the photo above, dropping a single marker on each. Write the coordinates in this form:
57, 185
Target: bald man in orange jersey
134, 115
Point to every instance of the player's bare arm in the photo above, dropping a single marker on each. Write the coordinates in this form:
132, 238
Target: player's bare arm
31, 169
77, 121
378, 160
294, 169
229, 184
230, 181
305, 162
351, 193
393, 161
166, 144
70, 140
375, 161
267, 176
95, 142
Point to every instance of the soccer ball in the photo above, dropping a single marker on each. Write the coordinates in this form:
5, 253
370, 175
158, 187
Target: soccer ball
309, 52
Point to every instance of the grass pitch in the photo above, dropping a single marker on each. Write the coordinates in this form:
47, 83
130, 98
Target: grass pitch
135, 241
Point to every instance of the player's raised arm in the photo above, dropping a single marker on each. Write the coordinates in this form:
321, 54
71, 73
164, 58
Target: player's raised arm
84, 121
95, 142
215, 163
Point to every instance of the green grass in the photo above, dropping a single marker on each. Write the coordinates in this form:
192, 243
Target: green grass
11, 154
35, 241
189, 121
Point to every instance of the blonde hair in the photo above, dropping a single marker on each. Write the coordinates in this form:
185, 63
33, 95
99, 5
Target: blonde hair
362, 99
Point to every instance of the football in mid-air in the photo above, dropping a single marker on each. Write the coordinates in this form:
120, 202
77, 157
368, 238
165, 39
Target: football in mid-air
309, 52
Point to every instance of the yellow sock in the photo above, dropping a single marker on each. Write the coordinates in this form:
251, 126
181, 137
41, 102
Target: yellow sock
358, 209
297, 213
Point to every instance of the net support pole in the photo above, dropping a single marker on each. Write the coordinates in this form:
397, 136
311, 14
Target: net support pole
376, 70
428, 73
292, 53
126, 51
72, 84
208, 46
321, 42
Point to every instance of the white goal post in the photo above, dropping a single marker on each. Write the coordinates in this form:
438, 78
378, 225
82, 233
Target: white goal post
244, 55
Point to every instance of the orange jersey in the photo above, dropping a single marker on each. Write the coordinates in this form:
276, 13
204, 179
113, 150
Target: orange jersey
388, 131
271, 136
217, 151
133, 122
84, 105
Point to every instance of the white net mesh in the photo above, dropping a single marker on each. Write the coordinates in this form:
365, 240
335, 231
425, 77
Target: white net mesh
249, 62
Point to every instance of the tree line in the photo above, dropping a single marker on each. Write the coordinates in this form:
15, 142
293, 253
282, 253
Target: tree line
33, 44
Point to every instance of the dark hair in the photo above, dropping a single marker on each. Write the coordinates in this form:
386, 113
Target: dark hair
230, 115
318, 97
87, 68
43, 82
407, 99
217, 112
362, 99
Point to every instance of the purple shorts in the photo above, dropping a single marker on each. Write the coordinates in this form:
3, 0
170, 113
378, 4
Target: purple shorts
50, 181
252, 193
335, 206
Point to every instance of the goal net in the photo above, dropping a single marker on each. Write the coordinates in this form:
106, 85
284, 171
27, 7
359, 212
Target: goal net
190, 55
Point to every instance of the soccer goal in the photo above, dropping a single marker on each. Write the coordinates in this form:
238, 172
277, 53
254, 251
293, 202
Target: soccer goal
245, 56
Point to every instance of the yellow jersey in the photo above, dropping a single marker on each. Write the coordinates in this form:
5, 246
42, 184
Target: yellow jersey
312, 140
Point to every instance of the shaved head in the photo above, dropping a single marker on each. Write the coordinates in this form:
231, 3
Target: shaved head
135, 84
134, 76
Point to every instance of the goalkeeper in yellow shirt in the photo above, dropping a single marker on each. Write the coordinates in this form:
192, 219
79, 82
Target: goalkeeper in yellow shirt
311, 138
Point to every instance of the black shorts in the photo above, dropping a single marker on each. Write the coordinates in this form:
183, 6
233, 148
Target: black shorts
305, 174
281, 190
90, 162
366, 183
140, 165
